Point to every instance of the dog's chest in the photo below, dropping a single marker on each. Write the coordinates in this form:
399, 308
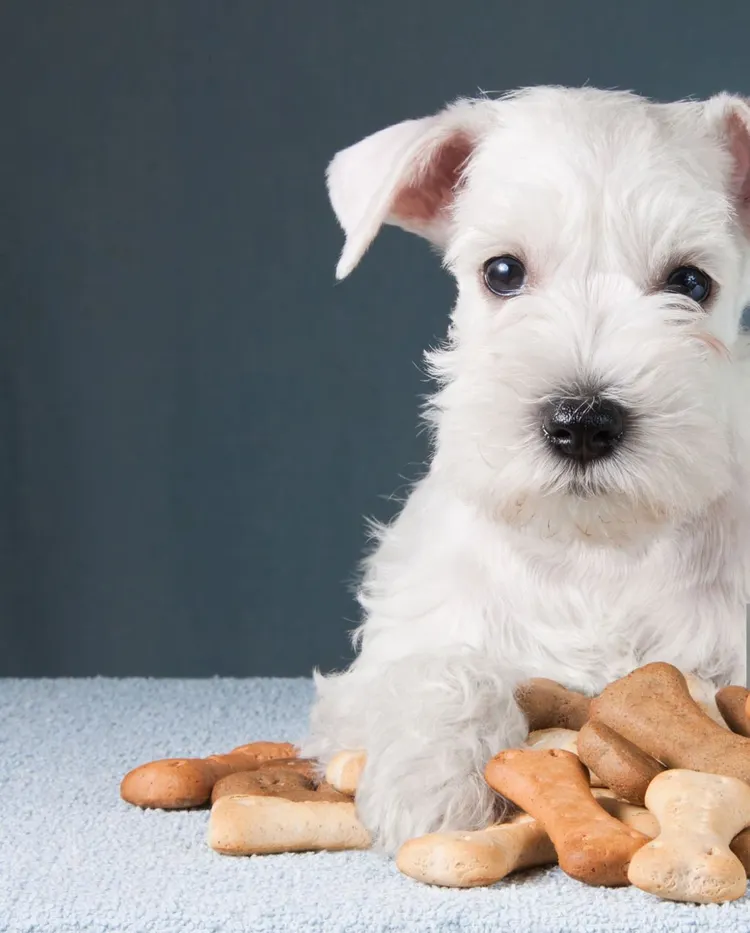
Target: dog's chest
589, 616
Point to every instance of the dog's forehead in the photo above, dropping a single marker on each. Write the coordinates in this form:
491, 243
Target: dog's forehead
549, 131
643, 176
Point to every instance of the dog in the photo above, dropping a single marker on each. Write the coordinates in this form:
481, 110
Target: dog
585, 508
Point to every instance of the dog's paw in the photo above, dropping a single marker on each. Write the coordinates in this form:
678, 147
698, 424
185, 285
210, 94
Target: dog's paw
428, 726
398, 800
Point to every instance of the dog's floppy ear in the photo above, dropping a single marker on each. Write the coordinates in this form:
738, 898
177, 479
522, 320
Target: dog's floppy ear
730, 116
405, 175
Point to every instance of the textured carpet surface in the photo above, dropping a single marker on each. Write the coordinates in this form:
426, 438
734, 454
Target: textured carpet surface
74, 857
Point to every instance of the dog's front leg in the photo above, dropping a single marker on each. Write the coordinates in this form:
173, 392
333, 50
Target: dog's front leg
428, 723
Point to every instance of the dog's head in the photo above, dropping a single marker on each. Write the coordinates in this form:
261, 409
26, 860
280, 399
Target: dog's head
601, 247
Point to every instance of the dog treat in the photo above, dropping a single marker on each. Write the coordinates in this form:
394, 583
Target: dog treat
473, 859
652, 708
566, 739
244, 782
732, 704
548, 705
344, 770
621, 765
178, 783
552, 786
690, 860
285, 812
704, 694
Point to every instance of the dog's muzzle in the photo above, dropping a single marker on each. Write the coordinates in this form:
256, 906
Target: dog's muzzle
583, 429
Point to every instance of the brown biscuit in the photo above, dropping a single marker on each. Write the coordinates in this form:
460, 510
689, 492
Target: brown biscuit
652, 708
179, 783
552, 786
732, 702
621, 765
548, 705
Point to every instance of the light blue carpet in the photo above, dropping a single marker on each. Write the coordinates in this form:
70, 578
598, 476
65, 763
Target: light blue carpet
75, 858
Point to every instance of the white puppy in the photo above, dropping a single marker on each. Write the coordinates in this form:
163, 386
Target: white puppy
586, 505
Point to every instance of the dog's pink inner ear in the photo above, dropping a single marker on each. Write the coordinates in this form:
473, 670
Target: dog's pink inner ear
432, 188
738, 132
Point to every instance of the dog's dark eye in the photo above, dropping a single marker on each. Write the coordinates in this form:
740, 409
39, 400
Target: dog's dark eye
504, 275
689, 281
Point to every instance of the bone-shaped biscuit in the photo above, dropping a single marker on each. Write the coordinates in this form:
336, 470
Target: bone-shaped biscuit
622, 766
285, 812
732, 702
178, 783
653, 709
548, 705
552, 786
473, 859
690, 860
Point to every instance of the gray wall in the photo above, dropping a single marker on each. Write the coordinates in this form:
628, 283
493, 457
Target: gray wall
193, 417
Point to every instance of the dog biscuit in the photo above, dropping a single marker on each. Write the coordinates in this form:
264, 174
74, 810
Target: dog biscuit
285, 812
179, 783
548, 705
652, 708
552, 786
621, 765
732, 704
699, 814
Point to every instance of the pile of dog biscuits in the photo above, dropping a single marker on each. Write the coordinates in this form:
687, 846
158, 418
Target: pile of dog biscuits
647, 784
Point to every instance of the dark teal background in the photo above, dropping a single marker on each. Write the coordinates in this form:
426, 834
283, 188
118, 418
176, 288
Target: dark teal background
194, 418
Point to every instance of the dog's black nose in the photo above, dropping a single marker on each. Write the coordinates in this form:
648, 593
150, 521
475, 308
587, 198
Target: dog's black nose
583, 428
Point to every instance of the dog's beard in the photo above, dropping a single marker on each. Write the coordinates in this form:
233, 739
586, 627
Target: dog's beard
596, 479
581, 486
582, 509
622, 498
583, 502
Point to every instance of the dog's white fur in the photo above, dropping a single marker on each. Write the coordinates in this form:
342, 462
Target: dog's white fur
500, 566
